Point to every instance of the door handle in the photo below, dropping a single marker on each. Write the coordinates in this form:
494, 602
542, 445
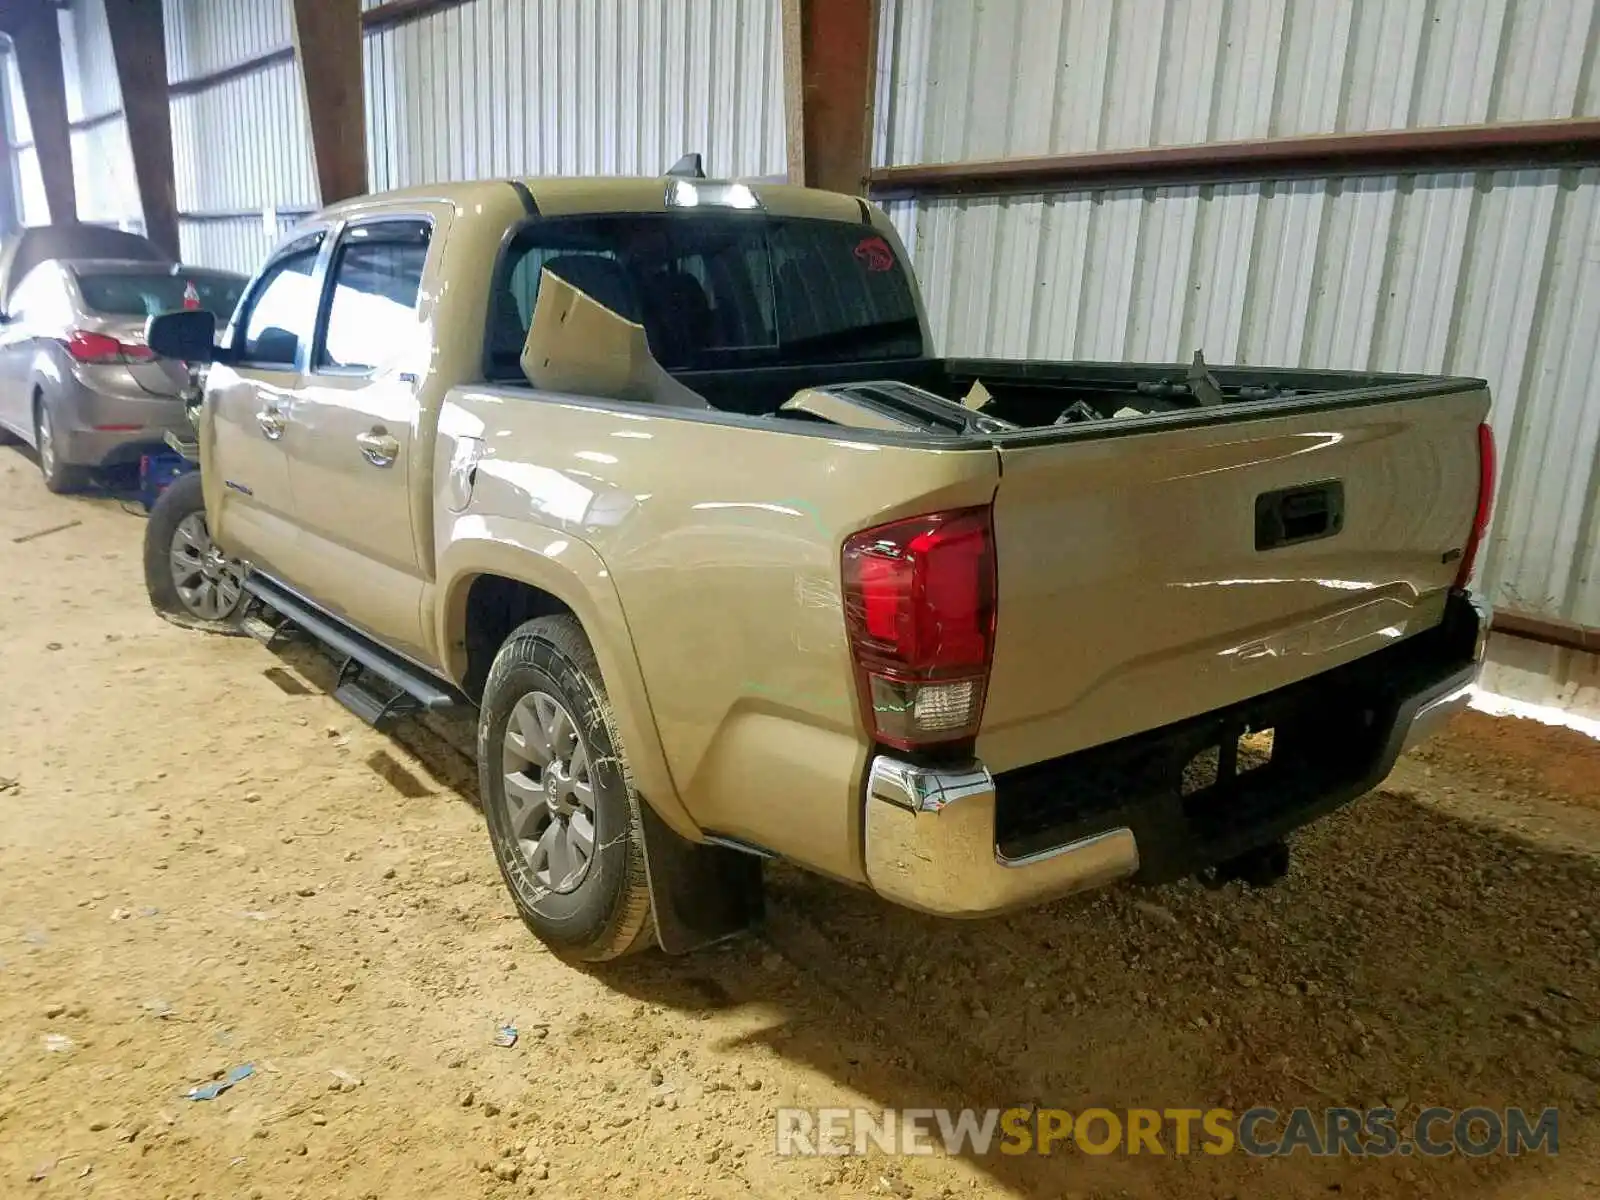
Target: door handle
378, 448
272, 422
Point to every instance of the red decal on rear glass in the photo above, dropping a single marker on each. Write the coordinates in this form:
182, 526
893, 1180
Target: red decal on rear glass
874, 254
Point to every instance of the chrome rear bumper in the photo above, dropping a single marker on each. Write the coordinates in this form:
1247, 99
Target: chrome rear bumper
1434, 714
930, 832
930, 845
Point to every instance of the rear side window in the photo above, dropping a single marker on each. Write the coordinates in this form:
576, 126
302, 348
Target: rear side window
717, 290
41, 298
282, 309
377, 274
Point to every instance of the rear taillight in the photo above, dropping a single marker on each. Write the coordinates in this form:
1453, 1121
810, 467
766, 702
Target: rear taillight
1480, 522
86, 346
919, 600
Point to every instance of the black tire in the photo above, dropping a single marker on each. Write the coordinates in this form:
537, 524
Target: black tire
181, 500
606, 913
59, 477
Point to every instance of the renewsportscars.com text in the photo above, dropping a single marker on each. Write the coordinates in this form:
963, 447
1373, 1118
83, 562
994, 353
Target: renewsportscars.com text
1260, 1132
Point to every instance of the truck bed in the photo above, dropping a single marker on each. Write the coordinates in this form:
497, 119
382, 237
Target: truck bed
1076, 398
1150, 568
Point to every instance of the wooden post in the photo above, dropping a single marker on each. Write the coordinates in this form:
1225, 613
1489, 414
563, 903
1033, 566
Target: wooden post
138, 43
36, 40
327, 39
830, 75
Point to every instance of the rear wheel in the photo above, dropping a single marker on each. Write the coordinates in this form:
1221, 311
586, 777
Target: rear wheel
189, 580
58, 476
562, 813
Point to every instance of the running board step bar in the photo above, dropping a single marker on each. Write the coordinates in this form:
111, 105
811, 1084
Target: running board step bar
378, 707
375, 684
270, 634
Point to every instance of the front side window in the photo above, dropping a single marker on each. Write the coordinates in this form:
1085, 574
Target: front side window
377, 276
718, 290
282, 310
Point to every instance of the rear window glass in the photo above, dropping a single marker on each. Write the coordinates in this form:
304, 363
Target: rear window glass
717, 290
126, 294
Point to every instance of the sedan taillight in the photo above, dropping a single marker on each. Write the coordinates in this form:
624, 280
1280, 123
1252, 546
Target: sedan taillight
919, 601
86, 346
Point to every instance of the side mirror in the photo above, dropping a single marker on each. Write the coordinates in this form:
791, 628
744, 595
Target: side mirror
190, 335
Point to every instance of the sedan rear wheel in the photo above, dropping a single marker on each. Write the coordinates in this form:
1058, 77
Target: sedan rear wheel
58, 476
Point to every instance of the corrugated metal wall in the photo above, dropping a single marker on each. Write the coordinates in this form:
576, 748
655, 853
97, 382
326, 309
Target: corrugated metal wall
576, 87
1494, 273
242, 148
209, 35
489, 87
975, 79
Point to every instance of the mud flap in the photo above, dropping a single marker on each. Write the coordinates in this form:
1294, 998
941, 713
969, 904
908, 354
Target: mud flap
700, 894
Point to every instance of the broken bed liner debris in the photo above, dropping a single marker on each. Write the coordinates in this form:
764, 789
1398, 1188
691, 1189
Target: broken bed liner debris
890, 404
576, 344
50, 1164
210, 1091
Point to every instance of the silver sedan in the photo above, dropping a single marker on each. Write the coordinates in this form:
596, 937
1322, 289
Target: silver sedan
77, 381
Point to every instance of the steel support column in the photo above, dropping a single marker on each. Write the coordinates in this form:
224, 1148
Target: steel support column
139, 45
830, 48
327, 39
36, 39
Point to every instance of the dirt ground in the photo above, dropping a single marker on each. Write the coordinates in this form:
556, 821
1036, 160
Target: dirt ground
206, 862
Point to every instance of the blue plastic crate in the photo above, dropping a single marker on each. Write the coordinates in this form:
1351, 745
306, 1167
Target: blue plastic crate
156, 473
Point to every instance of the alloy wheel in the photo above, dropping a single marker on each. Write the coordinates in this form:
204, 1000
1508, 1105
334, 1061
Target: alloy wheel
549, 792
47, 443
209, 583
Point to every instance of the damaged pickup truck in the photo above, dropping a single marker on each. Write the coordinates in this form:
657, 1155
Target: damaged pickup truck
663, 477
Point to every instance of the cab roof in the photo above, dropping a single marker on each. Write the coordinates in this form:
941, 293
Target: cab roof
574, 196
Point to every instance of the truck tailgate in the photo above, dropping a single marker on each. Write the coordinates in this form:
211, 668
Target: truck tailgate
1152, 576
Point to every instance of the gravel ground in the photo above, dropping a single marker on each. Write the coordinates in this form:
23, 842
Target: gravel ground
205, 862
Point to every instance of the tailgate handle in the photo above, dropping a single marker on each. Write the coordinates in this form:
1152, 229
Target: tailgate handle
1299, 514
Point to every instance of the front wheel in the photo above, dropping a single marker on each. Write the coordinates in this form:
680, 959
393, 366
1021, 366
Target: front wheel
189, 580
562, 813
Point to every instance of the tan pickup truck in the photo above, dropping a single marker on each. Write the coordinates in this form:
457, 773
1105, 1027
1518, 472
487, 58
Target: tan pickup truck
662, 476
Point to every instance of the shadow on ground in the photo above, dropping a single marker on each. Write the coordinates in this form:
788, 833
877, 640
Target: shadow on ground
1410, 960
